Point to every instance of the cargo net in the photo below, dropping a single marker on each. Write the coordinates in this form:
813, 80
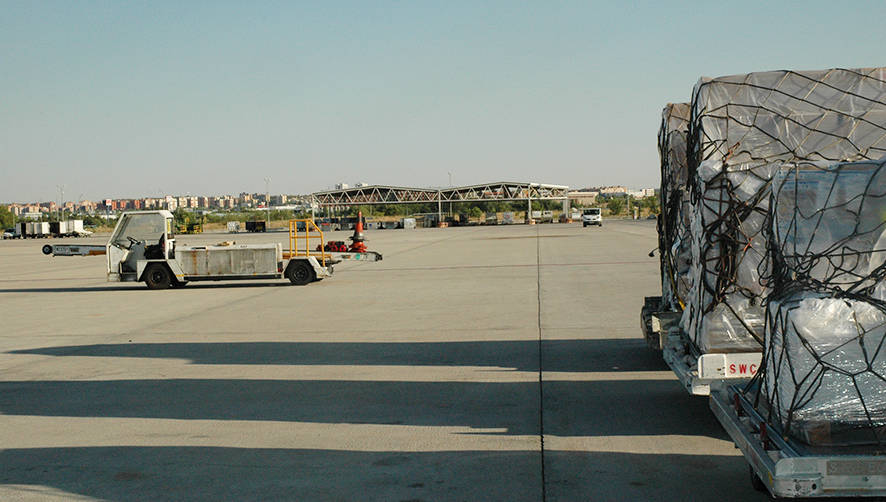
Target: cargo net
824, 370
742, 129
673, 231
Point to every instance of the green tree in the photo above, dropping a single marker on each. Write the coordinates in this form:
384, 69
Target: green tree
651, 203
6, 217
615, 205
180, 214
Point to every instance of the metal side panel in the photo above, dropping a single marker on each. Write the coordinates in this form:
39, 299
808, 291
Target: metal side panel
220, 261
141, 265
319, 270
176, 268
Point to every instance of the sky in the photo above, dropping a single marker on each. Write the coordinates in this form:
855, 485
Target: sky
141, 99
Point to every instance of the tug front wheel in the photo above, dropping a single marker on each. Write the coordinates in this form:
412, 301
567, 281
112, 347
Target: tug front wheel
157, 276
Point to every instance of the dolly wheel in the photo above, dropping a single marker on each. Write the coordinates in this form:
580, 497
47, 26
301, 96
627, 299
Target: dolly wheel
47, 249
300, 273
157, 276
756, 482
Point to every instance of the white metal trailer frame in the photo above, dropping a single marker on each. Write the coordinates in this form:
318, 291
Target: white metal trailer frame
696, 371
785, 468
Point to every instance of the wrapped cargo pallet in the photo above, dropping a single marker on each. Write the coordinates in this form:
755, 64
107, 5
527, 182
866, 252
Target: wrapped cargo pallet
824, 372
742, 128
673, 232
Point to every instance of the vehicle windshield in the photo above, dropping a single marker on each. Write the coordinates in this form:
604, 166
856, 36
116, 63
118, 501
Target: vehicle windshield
593, 212
143, 227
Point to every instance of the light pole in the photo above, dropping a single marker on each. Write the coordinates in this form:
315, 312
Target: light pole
61, 197
268, 200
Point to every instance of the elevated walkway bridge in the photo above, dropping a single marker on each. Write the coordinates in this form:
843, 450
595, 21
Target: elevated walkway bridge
500, 191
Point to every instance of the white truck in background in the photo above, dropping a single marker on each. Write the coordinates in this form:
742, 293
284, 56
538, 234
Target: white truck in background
592, 216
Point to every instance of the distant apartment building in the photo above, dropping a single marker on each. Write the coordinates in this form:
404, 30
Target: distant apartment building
642, 193
33, 212
583, 198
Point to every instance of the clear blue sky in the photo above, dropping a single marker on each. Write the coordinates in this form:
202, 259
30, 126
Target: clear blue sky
127, 99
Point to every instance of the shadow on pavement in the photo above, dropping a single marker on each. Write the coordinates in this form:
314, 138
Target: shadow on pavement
559, 355
581, 408
208, 473
139, 287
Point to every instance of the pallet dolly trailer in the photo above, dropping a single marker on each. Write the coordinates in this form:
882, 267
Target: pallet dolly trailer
142, 249
785, 468
695, 370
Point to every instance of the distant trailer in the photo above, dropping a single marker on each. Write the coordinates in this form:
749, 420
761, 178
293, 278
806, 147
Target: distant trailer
68, 228
256, 226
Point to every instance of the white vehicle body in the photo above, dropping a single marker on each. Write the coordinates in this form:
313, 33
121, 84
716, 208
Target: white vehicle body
592, 216
142, 248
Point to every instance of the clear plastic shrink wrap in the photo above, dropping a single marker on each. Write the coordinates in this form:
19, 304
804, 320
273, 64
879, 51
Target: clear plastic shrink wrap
673, 231
742, 129
824, 373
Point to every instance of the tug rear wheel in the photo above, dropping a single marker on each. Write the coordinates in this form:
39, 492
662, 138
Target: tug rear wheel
300, 273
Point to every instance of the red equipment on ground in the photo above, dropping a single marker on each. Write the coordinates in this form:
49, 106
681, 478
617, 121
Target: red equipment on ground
358, 244
334, 247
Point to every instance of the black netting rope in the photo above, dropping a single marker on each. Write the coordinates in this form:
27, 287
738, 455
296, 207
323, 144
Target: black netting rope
823, 377
764, 120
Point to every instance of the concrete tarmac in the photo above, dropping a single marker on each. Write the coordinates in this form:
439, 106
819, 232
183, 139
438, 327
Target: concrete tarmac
477, 363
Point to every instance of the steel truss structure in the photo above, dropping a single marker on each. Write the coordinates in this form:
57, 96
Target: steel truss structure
501, 191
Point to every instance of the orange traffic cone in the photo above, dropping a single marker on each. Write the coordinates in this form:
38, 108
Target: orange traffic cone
357, 240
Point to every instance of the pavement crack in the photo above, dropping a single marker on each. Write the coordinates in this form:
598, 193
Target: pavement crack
541, 408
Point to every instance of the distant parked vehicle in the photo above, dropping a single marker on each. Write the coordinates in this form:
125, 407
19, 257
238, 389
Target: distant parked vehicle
592, 216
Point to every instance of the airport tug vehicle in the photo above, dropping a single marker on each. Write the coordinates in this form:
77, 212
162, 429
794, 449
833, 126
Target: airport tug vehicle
142, 248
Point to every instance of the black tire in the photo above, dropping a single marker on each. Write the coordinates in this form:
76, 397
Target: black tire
157, 276
179, 284
47, 249
756, 482
584, 225
300, 273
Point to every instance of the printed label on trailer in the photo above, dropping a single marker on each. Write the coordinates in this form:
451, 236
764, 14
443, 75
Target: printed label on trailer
741, 369
856, 468
718, 366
